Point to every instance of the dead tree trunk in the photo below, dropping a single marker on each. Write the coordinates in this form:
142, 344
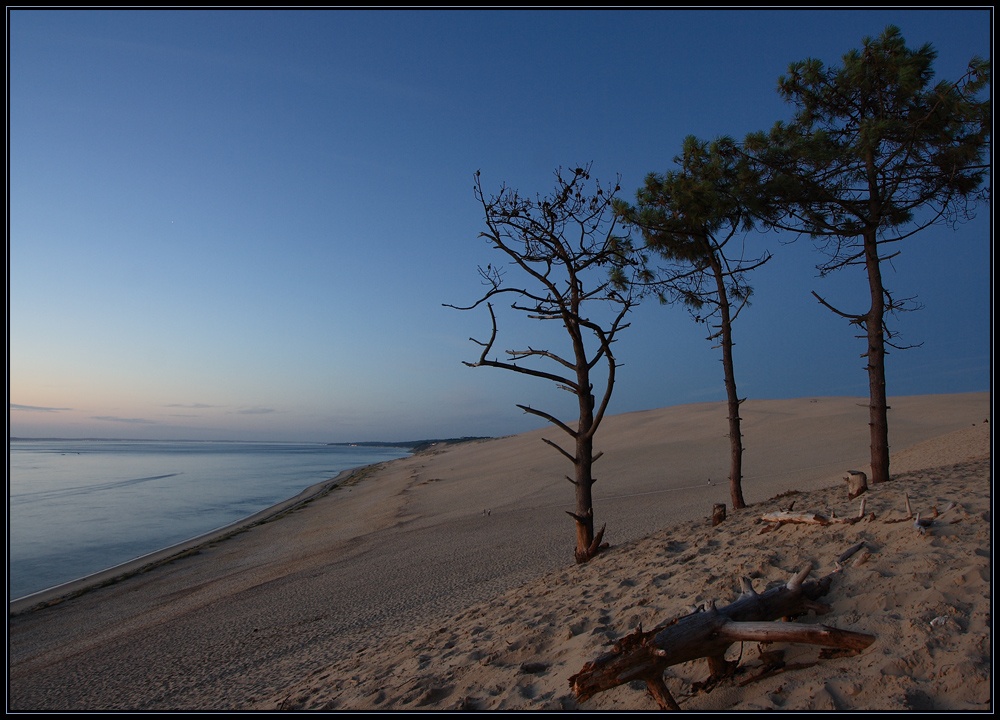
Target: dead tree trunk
645, 655
564, 245
584, 516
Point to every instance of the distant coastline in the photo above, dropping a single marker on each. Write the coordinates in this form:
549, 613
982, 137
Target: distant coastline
413, 445
180, 440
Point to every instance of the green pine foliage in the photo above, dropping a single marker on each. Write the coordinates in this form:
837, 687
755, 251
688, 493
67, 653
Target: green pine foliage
874, 147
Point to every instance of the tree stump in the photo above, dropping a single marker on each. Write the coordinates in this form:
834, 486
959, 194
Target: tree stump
857, 483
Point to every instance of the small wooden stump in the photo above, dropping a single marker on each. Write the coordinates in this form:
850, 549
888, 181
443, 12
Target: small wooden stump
718, 514
857, 483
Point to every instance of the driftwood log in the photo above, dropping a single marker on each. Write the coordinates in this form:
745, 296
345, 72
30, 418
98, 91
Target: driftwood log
644, 655
780, 517
787, 516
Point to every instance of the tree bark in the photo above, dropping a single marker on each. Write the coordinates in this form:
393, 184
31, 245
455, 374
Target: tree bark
732, 399
584, 441
875, 325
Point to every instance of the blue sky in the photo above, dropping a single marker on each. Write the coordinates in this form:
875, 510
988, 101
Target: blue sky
243, 224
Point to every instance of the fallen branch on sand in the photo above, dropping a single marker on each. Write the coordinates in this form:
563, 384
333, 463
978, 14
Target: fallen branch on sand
921, 524
780, 517
786, 516
644, 655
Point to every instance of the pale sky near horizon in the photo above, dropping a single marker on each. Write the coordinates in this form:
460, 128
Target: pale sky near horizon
242, 225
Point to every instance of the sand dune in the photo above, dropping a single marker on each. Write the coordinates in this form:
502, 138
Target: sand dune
398, 592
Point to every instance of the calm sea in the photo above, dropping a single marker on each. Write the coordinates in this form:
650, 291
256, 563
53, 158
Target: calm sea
80, 506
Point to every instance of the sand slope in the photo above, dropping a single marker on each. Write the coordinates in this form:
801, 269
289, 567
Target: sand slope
477, 659
343, 600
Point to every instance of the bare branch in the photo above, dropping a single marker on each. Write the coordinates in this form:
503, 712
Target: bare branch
521, 354
855, 319
552, 419
565, 454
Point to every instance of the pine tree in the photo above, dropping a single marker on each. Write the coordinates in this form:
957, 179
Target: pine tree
696, 219
875, 153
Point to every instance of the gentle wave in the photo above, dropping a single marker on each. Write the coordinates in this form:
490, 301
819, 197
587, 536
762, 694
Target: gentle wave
82, 489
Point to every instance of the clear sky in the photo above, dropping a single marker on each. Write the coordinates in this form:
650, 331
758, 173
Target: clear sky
243, 224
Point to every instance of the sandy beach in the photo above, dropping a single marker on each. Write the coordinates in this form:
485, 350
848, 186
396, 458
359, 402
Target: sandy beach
445, 580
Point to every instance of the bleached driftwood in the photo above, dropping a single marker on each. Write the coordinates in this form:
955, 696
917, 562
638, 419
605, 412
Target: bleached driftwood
921, 524
644, 655
785, 516
847, 554
780, 517
850, 551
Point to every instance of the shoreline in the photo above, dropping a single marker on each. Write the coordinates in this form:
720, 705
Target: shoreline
116, 573
74, 588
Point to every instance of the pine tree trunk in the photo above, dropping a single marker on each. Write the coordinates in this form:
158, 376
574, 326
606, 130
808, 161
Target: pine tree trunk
735, 434
874, 324
878, 407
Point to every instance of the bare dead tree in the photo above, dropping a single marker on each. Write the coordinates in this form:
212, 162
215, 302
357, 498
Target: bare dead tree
571, 264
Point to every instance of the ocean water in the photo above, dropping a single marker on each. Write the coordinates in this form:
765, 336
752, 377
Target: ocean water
76, 507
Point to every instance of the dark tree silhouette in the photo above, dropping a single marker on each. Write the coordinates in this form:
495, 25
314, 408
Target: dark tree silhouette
874, 154
567, 257
696, 219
